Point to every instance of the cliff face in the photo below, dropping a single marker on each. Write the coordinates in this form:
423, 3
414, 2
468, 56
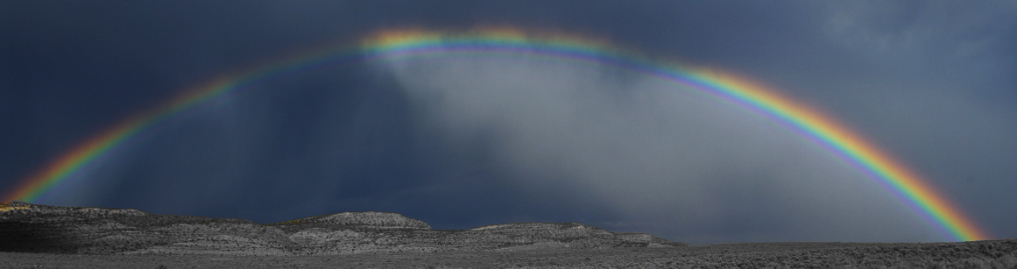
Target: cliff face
41, 228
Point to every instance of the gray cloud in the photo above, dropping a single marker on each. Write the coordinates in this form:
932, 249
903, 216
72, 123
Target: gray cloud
671, 158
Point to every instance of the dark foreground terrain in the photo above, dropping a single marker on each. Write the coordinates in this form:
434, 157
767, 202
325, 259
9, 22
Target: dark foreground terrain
984, 254
40, 236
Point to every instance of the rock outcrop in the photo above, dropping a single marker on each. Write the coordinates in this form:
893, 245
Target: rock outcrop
370, 219
54, 229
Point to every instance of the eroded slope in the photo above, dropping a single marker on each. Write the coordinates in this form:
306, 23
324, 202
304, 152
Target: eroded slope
54, 229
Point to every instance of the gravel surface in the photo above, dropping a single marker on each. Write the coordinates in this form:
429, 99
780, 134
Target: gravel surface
983, 254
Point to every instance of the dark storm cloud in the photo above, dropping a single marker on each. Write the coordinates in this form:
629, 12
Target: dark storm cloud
945, 100
932, 82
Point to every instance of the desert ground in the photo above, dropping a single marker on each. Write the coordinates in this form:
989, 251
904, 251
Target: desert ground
982, 254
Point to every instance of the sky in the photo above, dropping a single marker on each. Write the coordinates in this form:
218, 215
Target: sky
471, 141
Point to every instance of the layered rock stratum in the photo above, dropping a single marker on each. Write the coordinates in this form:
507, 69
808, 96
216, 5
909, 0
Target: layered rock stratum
84, 230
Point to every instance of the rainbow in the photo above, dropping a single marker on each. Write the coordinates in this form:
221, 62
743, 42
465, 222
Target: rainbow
413, 43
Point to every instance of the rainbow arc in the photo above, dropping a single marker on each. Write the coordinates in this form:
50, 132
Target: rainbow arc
881, 167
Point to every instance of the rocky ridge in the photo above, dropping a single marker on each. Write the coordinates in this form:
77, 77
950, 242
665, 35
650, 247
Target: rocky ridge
55, 229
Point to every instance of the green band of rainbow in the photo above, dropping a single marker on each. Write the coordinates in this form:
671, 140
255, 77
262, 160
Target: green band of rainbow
825, 131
